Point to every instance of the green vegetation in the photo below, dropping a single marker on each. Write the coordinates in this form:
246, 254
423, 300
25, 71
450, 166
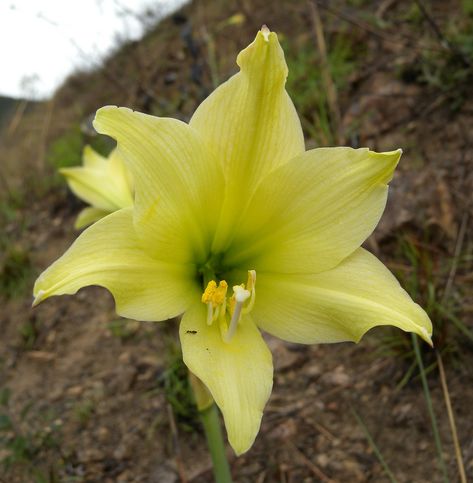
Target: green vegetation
305, 83
15, 271
29, 333
9, 208
447, 64
427, 281
124, 329
174, 381
66, 150
25, 441
83, 411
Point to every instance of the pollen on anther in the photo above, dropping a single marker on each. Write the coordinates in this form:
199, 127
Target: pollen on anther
220, 293
209, 292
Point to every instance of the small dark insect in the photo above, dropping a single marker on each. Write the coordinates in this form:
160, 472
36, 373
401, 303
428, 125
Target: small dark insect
191, 332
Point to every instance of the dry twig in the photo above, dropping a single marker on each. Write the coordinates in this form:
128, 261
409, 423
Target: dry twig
329, 85
312, 467
451, 419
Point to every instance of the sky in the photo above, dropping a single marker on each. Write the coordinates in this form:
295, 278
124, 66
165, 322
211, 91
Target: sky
42, 41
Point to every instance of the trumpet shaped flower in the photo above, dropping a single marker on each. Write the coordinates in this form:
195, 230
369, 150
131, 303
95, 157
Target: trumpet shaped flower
105, 184
240, 229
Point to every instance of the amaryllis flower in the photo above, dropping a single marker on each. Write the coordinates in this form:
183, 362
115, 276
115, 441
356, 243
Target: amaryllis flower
103, 183
240, 229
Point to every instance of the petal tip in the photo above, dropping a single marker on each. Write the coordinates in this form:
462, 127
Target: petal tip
265, 32
264, 53
39, 297
425, 335
101, 115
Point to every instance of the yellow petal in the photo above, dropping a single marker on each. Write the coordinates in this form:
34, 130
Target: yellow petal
251, 123
239, 374
179, 184
119, 172
92, 159
109, 254
105, 184
91, 186
88, 216
338, 305
314, 211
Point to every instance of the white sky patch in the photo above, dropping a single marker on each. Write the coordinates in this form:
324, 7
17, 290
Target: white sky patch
44, 41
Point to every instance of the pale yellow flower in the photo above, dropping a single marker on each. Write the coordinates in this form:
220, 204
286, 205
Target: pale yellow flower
232, 199
103, 183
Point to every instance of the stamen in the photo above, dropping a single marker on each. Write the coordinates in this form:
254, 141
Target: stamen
215, 298
220, 293
209, 291
219, 305
241, 296
250, 285
210, 313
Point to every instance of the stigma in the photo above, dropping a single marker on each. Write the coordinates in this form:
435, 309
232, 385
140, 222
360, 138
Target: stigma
227, 311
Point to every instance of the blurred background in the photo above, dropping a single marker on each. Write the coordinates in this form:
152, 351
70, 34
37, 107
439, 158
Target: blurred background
86, 396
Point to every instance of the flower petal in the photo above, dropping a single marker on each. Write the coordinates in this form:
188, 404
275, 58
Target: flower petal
103, 183
250, 122
88, 216
92, 159
338, 305
109, 254
239, 374
314, 211
122, 176
93, 187
179, 184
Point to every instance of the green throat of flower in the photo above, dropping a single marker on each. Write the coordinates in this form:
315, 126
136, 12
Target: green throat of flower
225, 310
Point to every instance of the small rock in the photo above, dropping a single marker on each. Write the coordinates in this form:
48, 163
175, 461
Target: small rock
103, 433
124, 357
313, 370
56, 394
125, 477
41, 356
337, 378
284, 431
90, 454
164, 474
322, 460
121, 452
75, 391
355, 470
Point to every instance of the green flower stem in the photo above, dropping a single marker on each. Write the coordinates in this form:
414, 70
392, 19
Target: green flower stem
208, 410
213, 432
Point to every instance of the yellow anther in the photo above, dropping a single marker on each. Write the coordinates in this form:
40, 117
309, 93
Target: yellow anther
228, 310
209, 292
220, 293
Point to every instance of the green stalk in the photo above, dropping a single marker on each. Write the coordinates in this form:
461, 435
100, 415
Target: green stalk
208, 411
430, 409
213, 432
374, 447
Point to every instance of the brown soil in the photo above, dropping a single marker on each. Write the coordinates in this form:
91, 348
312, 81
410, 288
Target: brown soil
98, 407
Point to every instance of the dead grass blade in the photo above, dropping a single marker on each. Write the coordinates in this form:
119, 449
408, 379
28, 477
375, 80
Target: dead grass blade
430, 409
451, 419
